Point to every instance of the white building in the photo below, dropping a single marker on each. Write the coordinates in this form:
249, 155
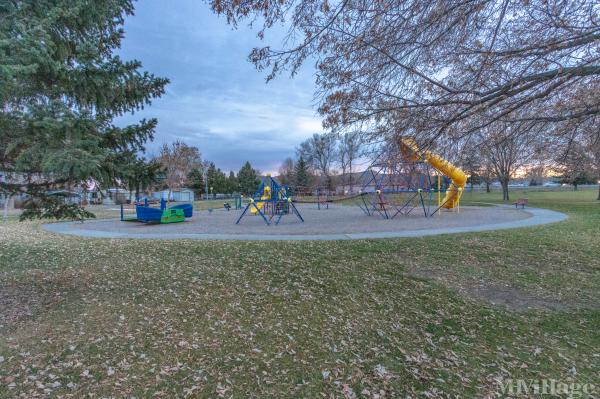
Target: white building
183, 195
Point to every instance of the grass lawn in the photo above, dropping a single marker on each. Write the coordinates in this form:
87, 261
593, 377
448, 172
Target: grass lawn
372, 318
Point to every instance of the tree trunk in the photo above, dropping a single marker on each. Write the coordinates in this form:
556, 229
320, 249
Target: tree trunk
329, 182
598, 192
7, 200
574, 186
504, 183
487, 187
351, 189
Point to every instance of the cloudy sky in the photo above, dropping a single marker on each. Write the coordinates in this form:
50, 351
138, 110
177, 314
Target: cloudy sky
217, 100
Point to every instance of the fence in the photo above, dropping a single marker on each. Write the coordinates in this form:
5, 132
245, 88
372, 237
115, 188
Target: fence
494, 188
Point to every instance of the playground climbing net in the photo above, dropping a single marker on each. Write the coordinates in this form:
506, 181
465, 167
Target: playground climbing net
403, 179
271, 201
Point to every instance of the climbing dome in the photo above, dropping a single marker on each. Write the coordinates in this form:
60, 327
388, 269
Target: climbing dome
402, 180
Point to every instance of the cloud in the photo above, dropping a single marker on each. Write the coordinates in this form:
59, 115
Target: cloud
216, 99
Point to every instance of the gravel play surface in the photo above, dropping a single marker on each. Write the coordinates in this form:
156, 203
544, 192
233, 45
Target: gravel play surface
338, 219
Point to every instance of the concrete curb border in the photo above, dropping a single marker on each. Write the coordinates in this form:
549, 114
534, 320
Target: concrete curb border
539, 217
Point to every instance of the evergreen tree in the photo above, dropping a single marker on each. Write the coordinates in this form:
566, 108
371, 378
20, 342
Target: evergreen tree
232, 183
248, 180
211, 177
221, 185
141, 175
301, 175
60, 88
195, 181
217, 180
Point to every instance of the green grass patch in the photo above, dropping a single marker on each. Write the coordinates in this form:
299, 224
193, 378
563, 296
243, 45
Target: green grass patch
392, 318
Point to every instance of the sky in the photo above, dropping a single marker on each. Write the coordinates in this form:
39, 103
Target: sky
217, 100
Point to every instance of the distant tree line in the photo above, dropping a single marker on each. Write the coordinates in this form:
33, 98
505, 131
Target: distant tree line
323, 160
179, 165
244, 182
495, 154
503, 154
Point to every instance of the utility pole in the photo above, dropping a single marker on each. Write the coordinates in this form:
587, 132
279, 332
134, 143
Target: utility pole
205, 170
206, 184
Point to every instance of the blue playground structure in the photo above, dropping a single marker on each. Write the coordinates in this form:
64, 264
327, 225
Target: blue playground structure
147, 214
188, 209
271, 200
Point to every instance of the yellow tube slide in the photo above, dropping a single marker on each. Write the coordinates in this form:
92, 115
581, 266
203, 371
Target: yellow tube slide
458, 177
266, 195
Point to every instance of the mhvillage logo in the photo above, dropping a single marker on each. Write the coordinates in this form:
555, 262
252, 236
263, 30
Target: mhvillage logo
550, 387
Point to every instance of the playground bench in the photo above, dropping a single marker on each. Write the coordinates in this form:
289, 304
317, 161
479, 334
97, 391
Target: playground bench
521, 202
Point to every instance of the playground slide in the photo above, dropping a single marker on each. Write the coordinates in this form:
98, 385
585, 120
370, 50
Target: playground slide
456, 175
266, 196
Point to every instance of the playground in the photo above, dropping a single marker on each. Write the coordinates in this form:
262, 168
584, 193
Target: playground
402, 196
